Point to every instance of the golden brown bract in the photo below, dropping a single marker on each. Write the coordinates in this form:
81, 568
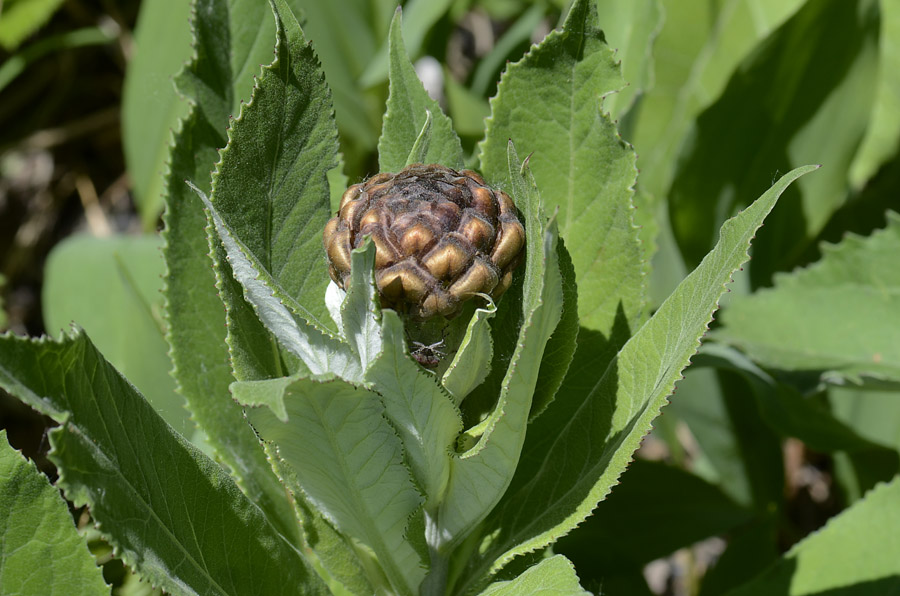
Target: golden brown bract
441, 237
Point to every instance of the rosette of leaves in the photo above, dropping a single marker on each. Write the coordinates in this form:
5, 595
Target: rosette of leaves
340, 465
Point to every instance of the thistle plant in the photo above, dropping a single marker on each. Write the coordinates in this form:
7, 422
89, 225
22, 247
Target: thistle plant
337, 462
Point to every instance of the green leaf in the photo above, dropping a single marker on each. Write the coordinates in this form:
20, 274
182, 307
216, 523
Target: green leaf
795, 415
630, 28
552, 577
36, 526
824, 62
880, 142
150, 106
271, 185
161, 502
421, 17
855, 553
111, 288
472, 362
408, 106
580, 445
875, 415
480, 476
634, 525
697, 50
2, 307
21, 18
337, 183
562, 345
751, 549
839, 316
419, 151
361, 307
466, 109
346, 34
347, 459
229, 41
317, 350
549, 104
423, 415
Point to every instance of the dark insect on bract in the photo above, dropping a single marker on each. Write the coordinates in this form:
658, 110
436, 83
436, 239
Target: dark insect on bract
428, 356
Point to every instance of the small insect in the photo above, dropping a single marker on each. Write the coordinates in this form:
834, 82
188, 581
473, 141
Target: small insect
428, 356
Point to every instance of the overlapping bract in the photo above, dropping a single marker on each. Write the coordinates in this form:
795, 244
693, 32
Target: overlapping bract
442, 236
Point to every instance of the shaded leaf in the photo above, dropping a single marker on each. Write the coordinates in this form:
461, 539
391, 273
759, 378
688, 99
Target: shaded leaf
549, 104
880, 142
408, 109
124, 318
421, 17
229, 42
581, 444
634, 525
697, 50
480, 476
161, 502
738, 451
829, 51
346, 35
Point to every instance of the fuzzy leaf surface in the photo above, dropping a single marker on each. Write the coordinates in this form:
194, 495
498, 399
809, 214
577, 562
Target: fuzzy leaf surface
171, 512
839, 316
35, 525
420, 411
582, 443
549, 104
406, 115
856, 552
271, 185
347, 459
479, 477
230, 41
318, 351
552, 577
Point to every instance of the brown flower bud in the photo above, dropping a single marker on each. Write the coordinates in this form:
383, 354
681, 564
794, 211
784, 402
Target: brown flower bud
441, 237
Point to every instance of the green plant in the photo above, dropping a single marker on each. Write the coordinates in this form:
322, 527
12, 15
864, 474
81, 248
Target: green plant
338, 460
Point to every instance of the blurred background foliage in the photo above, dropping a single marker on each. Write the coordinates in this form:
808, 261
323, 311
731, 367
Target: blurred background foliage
723, 97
